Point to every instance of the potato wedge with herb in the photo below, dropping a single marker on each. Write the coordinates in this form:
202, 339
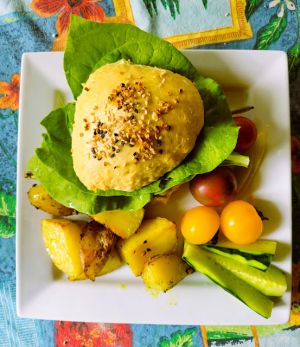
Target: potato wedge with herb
62, 241
154, 237
114, 261
164, 272
96, 244
40, 198
121, 222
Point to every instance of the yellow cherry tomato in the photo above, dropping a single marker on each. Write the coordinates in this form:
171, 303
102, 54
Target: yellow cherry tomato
240, 222
200, 224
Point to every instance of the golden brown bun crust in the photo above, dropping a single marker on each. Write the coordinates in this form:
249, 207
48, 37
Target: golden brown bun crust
133, 123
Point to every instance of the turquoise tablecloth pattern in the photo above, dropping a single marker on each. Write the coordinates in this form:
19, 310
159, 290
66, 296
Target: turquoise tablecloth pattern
41, 25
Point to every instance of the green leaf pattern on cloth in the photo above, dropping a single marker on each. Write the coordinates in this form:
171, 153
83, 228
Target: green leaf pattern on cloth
294, 60
205, 3
151, 6
179, 339
7, 214
252, 6
277, 25
271, 32
7, 226
7, 204
172, 5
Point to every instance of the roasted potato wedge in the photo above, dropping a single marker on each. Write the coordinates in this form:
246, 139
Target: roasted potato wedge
122, 223
96, 244
114, 261
40, 198
62, 241
155, 237
164, 272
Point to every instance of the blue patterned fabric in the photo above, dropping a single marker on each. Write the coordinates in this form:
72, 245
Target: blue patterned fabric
25, 30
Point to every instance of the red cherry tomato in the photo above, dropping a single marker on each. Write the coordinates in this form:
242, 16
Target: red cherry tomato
214, 188
247, 133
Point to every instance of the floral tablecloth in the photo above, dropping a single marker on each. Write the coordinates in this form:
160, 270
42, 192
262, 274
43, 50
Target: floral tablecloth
42, 25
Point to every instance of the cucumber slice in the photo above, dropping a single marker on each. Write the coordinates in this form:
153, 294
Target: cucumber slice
259, 261
202, 261
271, 282
256, 248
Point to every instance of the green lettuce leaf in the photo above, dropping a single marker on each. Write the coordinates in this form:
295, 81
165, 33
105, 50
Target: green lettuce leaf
88, 42
91, 45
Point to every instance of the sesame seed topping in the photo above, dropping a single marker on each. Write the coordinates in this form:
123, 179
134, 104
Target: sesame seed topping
127, 107
154, 116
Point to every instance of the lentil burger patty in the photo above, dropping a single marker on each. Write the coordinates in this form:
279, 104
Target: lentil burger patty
133, 123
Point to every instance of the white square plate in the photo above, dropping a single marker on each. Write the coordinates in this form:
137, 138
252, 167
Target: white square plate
250, 78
